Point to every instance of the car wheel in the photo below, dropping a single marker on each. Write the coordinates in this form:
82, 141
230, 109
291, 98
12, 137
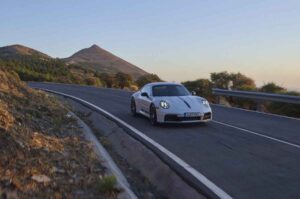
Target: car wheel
153, 116
133, 107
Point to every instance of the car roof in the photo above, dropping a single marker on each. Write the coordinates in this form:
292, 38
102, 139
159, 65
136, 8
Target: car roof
163, 83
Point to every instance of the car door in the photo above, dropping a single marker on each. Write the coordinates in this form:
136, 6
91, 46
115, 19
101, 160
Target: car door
138, 100
144, 100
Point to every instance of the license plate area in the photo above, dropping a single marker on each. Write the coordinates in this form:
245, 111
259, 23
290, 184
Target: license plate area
192, 114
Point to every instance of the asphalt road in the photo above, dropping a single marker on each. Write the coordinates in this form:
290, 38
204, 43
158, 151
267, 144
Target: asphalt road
247, 154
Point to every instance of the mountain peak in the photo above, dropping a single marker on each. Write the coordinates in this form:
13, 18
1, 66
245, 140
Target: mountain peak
101, 60
19, 48
94, 46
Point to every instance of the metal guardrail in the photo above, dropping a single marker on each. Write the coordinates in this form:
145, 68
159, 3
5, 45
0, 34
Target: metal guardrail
259, 96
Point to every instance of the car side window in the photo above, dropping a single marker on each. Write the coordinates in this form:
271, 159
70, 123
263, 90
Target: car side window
143, 90
146, 89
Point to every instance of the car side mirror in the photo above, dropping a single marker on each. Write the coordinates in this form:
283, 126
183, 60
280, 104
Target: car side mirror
193, 93
144, 94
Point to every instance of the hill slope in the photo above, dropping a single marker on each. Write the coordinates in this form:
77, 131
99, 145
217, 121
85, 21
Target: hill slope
33, 65
90, 66
41, 148
98, 59
15, 51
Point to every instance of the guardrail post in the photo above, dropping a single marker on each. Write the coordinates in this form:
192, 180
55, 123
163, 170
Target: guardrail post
218, 99
259, 105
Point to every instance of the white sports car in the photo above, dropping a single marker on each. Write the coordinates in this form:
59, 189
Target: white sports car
164, 102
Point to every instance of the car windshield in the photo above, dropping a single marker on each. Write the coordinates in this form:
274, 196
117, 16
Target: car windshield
169, 90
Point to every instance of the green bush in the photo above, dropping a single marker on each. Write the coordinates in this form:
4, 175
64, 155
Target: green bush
107, 185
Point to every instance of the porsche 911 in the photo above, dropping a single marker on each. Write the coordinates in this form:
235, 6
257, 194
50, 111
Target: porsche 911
165, 102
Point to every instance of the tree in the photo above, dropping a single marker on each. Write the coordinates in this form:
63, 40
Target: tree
107, 79
93, 81
202, 87
221, 79
238, 80
242, 82
272, 88
148, 78
123, 80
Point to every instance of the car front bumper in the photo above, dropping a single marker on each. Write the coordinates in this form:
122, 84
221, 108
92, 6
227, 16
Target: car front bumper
164, 116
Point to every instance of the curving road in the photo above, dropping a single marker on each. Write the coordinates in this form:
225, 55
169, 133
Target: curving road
247, 154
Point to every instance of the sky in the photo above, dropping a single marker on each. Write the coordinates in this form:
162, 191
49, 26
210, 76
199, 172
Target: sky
177, 39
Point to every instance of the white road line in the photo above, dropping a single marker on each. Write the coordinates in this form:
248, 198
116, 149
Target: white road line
209, 184
258, 134
258, 112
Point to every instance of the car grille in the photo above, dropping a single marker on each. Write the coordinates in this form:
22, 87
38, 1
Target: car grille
175, 118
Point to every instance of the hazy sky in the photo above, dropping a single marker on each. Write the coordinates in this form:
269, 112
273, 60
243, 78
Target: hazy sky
177, 39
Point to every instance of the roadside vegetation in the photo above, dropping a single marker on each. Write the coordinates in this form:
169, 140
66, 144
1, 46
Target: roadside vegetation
43, 153
55, 70
238, 81
91, 66
49, 70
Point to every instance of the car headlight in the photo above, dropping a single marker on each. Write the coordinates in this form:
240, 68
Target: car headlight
164, 104
205, 102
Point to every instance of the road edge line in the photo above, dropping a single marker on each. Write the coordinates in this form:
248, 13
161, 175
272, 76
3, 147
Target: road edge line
258, 112
258, 134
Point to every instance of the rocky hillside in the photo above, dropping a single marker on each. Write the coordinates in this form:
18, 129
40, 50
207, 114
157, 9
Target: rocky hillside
42, 151
98, 59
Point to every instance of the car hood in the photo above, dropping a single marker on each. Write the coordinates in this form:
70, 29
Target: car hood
184, 103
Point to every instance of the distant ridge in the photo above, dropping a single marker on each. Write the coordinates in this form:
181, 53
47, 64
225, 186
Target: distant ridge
93, 59
98, 59
17, 50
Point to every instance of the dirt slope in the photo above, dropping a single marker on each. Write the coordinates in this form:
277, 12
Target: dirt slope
42, 151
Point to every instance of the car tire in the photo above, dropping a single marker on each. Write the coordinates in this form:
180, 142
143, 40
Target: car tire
153, 116
133, 107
